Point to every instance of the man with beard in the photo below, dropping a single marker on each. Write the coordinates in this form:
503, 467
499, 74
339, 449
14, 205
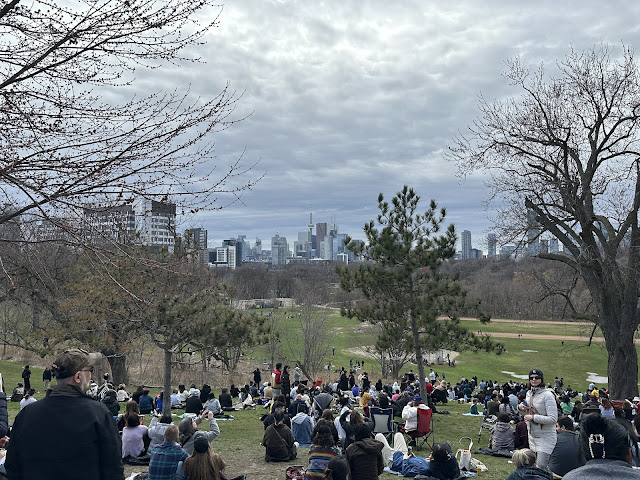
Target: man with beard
66, 434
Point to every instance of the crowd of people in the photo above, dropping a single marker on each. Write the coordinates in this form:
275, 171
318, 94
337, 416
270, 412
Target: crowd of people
545, 427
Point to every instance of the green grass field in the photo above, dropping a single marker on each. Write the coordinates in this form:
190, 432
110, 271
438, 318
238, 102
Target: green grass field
239, 442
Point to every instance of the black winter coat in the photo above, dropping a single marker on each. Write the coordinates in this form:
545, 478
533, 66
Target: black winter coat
62, 436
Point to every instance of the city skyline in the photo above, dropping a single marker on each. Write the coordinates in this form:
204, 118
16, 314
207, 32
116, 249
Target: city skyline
343, 102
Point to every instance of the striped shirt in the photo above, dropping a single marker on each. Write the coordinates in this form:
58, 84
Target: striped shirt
319, 458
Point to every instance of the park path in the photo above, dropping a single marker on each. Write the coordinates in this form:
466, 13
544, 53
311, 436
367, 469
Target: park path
540, 336
549, 322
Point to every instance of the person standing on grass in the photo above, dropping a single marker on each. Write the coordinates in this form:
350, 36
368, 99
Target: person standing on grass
46, 378
26, 375
67, 434
541, 415
276, 380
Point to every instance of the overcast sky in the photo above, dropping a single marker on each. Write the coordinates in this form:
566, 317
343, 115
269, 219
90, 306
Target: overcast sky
352, 98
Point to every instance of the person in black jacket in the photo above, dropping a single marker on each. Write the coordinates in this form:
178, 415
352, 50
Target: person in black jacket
66, 434
226, 402
26, 375
193, 403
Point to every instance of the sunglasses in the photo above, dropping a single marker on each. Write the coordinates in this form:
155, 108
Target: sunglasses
534, 378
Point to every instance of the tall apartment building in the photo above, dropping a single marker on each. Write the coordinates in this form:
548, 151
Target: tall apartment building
195, 242
466, 244
279, 250
533, 233
321, 233
156, 223
106, 224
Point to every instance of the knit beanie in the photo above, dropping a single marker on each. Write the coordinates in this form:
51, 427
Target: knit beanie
537, 372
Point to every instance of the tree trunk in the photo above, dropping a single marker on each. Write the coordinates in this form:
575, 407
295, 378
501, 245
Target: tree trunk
622, 368
416, 342
118, 368
166, 396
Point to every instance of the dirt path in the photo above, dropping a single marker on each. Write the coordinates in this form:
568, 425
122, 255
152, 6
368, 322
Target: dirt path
539, 336
544, 322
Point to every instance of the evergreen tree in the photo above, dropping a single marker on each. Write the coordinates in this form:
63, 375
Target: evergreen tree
401, 282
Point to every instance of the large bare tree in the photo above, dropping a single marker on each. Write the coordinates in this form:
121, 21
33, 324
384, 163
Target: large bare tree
566, 153
67, 138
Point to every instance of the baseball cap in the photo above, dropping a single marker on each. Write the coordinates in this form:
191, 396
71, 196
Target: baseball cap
69, 362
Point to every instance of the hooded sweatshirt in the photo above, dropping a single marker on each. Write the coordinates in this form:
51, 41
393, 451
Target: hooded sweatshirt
301, 427
502, 436
365, 459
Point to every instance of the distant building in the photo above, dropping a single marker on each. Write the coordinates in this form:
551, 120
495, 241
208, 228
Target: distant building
156, 223
321, 233
544, 245
234, 244
466, 244
246, 247
225, 257
533, 233
279, 250
194, 242
105, 224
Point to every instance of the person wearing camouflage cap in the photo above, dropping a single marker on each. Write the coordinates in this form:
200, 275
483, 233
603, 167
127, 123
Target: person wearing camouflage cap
66, 434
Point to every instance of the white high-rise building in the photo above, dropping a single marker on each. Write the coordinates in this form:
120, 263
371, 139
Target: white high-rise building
156, 223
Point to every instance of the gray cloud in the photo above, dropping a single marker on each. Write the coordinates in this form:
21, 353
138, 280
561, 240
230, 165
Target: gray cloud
349, 99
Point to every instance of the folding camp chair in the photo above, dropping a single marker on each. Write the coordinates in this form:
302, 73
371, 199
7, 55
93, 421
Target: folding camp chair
425, 428
382, 421
488, 422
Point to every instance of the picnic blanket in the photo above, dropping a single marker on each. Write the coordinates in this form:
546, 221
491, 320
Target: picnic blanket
495, 452
473, 414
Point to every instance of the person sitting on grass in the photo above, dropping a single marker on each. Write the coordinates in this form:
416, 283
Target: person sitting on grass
226, 401
607, 450
189, 430
212, 404
203, 464
442, 462
193, 403
302, 425
525, 462
328, 419
321, 452
28, 399
175, 399
145, 402
502, 435
133, 441
337, 469
473, 410
110, 401
157, 429
269, 418
122, 394
364, 455
165, 457
130, 407
278, 441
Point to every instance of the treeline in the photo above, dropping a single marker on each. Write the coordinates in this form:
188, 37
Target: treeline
530, 288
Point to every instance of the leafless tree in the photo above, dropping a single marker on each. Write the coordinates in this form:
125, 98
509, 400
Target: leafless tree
312, 349
566, 155
64, 138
